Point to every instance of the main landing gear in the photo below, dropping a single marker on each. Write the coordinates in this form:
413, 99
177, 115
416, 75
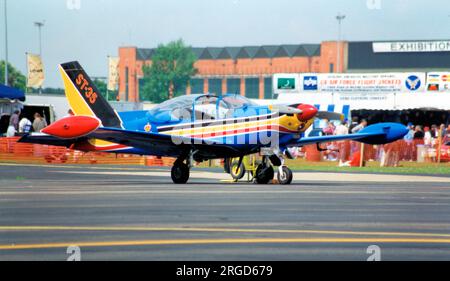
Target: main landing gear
181, 170
265, 172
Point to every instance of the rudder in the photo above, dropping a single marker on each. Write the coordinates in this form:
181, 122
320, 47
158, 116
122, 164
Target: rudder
84, 97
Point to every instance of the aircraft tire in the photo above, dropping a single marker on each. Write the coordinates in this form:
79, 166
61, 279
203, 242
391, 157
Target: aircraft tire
240, 173
180, 173
264, 174
286, 176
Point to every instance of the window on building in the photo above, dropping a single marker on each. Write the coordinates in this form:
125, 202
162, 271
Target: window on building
331, 67
141, 83
127, 84
268, 89
252, 88
197, 86
215, 86
234, 86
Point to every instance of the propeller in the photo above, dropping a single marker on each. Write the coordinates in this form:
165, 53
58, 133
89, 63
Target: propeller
283, 109
330, 115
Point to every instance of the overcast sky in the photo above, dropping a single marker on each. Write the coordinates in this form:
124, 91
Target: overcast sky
99, 27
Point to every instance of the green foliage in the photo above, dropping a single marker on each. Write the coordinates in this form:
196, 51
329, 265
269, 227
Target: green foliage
172, 64
51, 91
15, 78
102, 88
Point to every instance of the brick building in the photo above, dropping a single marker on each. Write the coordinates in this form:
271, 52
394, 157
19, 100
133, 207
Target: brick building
248, 70
244, 70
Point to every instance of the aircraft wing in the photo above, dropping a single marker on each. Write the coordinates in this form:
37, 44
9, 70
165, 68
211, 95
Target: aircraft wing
169, 145
163, 145
380, 133
39, 138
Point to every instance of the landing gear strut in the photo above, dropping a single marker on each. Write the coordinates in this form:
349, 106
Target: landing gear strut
284, 174
264, 173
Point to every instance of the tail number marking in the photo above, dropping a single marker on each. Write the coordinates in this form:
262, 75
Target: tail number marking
83, 84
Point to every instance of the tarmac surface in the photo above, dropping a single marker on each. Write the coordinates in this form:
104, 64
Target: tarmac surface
136, 213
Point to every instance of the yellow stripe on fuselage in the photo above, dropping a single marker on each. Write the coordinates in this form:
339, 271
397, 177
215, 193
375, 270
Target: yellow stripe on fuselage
288, 122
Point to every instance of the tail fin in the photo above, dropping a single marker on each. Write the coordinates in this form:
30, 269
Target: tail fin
84, 97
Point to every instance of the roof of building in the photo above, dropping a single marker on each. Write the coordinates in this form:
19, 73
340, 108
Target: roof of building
251, 52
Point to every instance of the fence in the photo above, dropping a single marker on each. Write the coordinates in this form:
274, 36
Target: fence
347, 152
12, 151
389, 154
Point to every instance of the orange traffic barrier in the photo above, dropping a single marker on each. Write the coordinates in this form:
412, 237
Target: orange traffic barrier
12, 151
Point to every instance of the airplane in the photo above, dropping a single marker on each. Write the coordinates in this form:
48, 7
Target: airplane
196, 127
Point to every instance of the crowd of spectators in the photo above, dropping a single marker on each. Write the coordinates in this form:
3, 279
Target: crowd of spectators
20, 124
344, 151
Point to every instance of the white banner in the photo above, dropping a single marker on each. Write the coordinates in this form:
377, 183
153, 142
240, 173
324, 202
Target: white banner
113, 73
411, 46
389, 101
363, 82
35, 76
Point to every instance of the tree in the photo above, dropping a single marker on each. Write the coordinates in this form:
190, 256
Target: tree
102, 88
171, 68
15, 78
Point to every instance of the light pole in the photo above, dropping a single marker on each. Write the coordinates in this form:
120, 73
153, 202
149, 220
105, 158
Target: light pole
339, 18
39, 25
6, 44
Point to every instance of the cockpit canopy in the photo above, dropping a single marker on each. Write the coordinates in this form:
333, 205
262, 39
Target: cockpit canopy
199, 107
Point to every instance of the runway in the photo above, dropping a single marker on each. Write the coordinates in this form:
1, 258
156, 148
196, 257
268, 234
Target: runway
136, 213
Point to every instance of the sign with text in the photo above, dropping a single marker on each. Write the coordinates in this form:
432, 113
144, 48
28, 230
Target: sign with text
438, 81
364, 82
411, 46
287, 82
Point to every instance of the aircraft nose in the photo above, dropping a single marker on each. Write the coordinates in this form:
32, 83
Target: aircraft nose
308, 112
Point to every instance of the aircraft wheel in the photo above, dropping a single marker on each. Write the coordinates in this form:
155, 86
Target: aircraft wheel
180, 173
285, 175
236, 172
264, 174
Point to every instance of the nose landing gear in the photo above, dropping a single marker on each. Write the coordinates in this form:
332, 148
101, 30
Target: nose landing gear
284, 175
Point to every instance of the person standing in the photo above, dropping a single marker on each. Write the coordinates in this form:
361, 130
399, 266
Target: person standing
418, 133
344, 146
13, 124
427, 136
24, 125
39, 122
361, 126
14, 120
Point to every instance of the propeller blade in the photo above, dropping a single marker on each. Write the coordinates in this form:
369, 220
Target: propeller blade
283, 109
330, 115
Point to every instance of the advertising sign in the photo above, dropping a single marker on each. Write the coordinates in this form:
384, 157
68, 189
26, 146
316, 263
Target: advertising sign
286, 82
363, 82
438, 81
35, 77
411, 46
